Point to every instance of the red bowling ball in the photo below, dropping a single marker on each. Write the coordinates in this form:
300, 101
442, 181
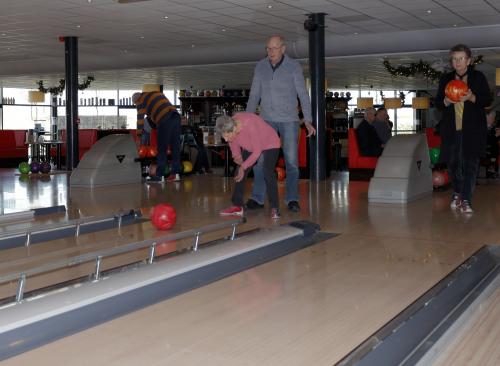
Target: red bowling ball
281, 173
163, 216
438, 178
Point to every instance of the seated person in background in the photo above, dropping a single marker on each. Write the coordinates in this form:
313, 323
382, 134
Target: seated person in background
382, 126
492, 142
249, 137
368, 140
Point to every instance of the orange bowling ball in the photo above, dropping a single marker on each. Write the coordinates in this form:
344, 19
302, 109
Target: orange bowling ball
456, 89
281, 162
143, 151
163, 216
152, 151
281, 173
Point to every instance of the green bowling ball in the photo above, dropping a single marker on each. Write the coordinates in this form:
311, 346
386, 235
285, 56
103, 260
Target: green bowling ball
24, 167
434, 154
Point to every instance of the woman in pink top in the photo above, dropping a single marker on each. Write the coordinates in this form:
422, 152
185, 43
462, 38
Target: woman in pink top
249, 137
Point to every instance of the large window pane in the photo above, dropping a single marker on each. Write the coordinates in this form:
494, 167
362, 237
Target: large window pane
17, 117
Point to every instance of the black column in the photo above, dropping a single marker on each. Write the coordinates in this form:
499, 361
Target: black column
53, 116
315, 24
419, 116
71, 58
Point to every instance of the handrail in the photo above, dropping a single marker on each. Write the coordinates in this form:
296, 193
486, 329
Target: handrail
76, 223
99, 255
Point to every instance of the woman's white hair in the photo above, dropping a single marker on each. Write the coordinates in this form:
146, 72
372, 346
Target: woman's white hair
225, 124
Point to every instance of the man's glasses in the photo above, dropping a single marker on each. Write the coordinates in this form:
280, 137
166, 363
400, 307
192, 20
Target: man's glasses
273, 49
458, 59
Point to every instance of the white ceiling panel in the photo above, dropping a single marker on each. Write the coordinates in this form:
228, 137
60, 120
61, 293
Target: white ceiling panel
110, 37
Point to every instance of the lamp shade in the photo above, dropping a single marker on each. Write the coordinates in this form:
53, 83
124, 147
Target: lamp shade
151, 88
420, 103
392, 103
36, 96
497, 77
363, 103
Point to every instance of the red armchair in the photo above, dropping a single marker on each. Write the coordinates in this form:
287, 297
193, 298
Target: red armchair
13, 148
360, 167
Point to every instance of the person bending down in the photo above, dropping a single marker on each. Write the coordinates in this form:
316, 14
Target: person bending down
249, 137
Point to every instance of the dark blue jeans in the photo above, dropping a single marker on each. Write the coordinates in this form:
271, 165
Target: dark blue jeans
462, 170
169, 134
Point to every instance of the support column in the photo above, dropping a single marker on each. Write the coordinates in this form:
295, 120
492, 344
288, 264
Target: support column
71, 59
315, 24
420, 116
53, 117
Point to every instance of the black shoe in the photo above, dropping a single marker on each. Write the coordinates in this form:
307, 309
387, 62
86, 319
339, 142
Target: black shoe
154, 179
252, 204
293, 206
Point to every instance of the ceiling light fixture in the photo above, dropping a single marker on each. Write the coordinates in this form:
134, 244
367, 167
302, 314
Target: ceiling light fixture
363, 103
223, 29
420, 103
78, 26
36, 96
151, 88
429, 11
269, 6
165, 17
192, 46
392, 103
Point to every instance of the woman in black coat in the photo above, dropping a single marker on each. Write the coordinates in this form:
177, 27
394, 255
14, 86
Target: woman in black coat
463, 127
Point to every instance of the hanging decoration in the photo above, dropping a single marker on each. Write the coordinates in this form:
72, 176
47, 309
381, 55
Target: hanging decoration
422, 68
57, 90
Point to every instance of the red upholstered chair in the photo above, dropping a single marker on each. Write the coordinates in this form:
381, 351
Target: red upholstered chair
360, 167
13, 148
302, 153
86, 138
356, 160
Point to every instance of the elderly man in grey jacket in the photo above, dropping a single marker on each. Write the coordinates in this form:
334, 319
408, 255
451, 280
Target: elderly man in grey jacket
277, 82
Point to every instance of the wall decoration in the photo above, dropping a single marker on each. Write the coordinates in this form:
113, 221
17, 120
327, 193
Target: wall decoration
57, 90
422, 68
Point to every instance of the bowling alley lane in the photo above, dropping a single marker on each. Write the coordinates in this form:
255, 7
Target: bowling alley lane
311, 307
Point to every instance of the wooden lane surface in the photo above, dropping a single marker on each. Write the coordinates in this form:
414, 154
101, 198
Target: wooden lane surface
475, 338
308, 308
18, 260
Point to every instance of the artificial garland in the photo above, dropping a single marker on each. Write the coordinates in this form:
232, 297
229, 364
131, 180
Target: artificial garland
421, 67
55, 90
